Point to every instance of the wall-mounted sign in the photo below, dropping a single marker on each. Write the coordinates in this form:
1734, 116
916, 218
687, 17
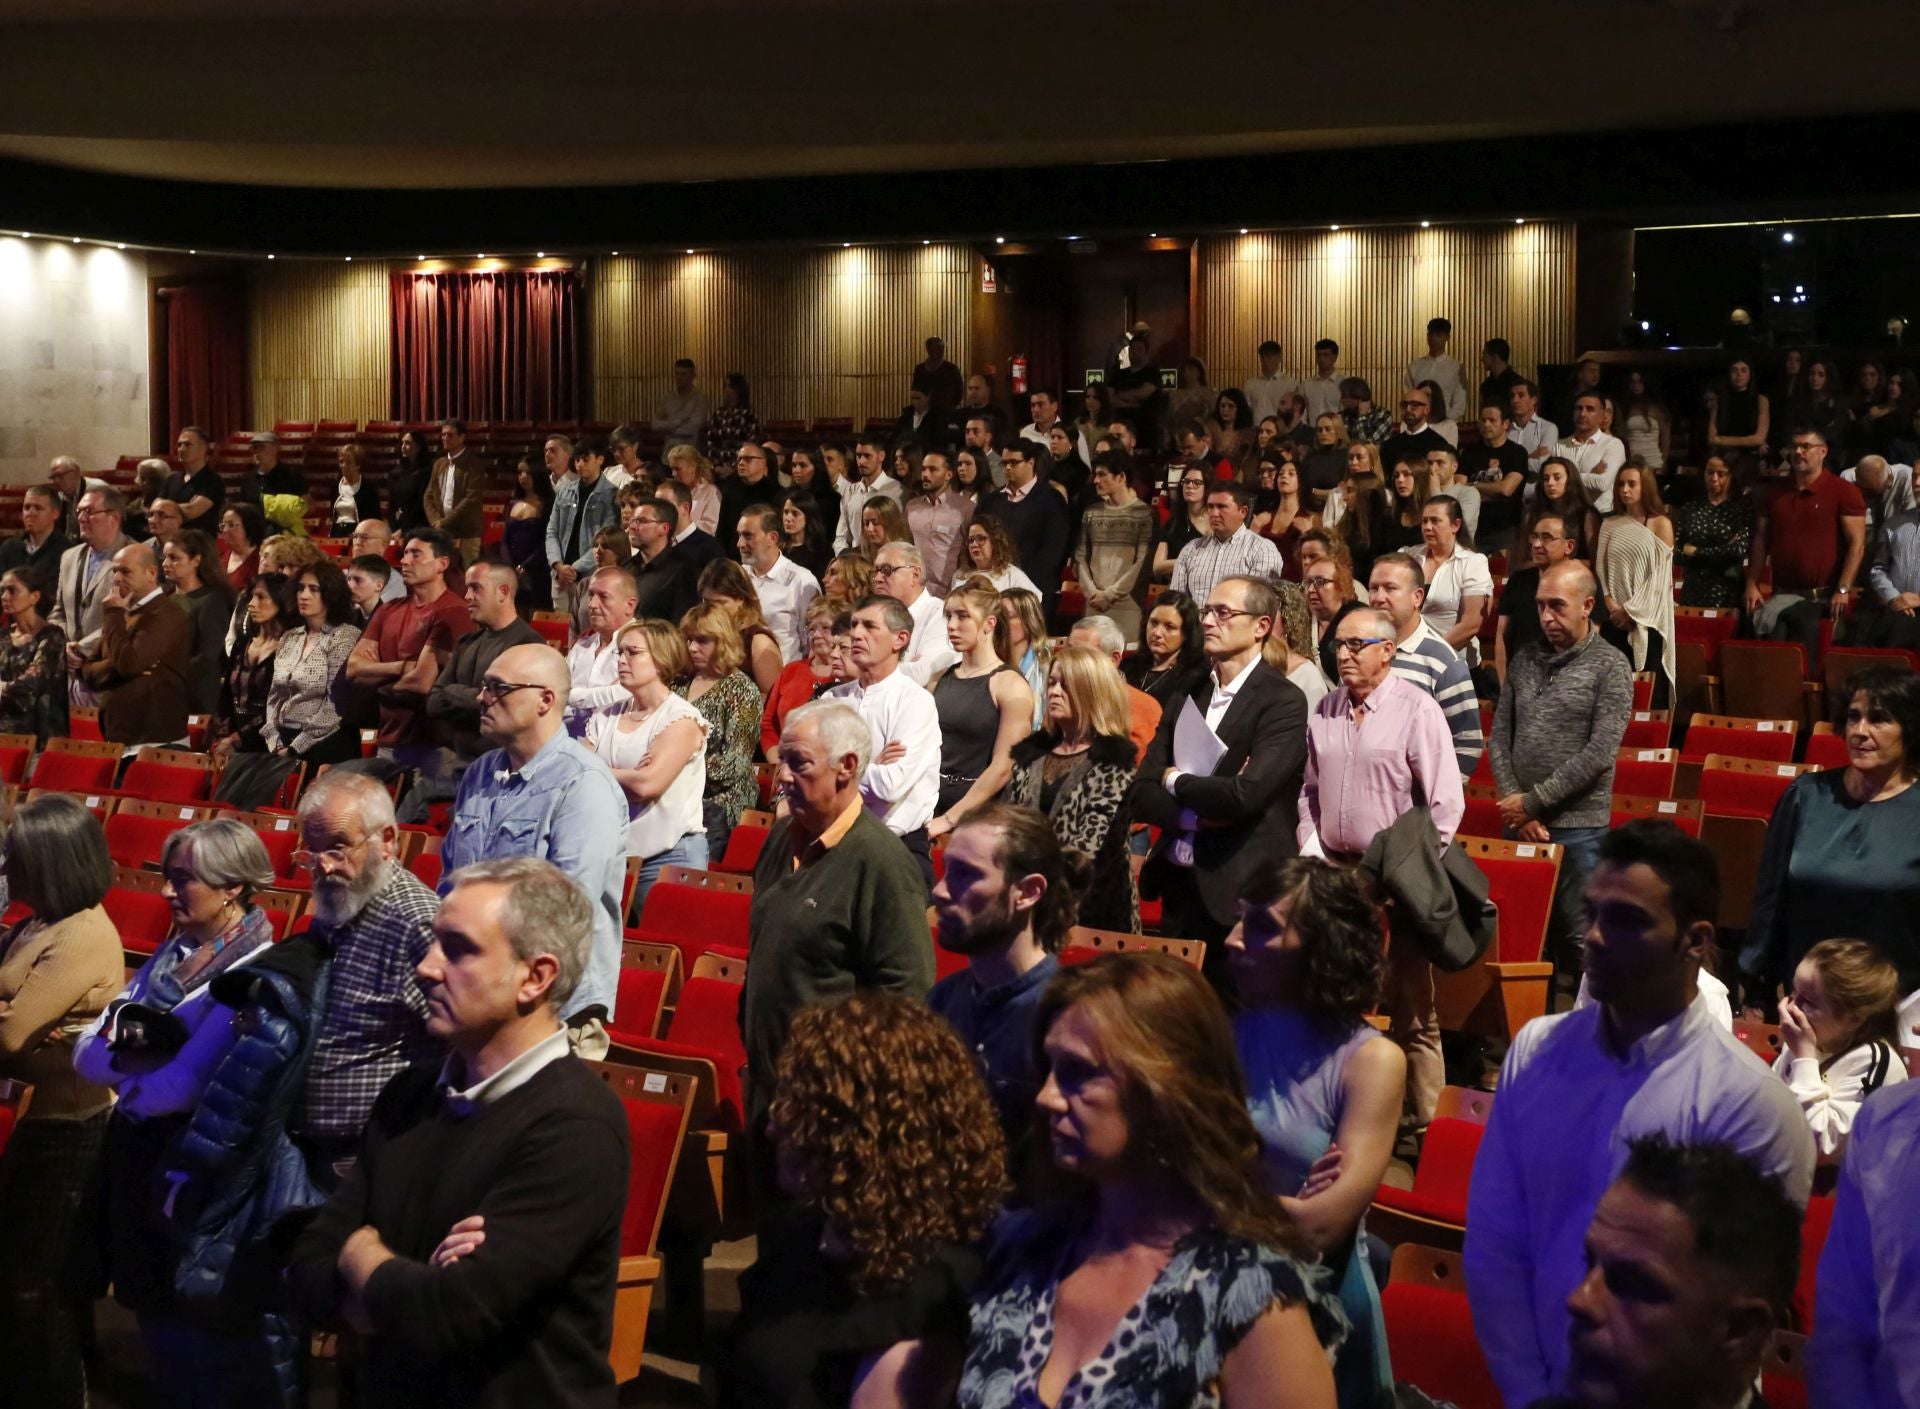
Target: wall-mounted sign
989, 281
1096, 374
1170, 378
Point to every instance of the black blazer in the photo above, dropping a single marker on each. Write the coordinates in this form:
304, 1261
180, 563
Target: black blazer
1249, 807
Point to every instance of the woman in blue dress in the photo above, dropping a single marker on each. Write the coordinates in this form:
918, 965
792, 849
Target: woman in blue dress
1325, 1088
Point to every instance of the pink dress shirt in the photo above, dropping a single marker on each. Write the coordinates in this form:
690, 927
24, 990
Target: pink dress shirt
1361, 776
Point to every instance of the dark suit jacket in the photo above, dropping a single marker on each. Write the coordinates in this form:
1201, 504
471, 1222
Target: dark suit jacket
141, 672
464, 519
698, 548
1248, 807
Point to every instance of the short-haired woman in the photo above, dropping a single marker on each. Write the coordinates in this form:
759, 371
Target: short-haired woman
160, 1045
859, 1295
1307, 956
33, 672
1078, 768
656, 746
355, 497
802, 680
731, 703
58, 968
1153, 1213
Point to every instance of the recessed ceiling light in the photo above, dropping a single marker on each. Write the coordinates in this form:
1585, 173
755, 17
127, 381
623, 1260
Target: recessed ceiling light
540, 254
123, 244
616, 252
1787, 236
846, 244
419, 256
480, 256
1426, 225
1243, 229
76, 239
1335, 227
999, 239
193, 251
1153, 234
689, 251
26, 234
269, 256
926, 242
1519, 220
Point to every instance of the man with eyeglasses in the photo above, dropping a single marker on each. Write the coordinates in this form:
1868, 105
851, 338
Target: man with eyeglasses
372, 538
1547, 543
664, 578
85, 579
1217, 825
1230, 549
453, 703
1413, 439
750, 483
40, 543
377, 919
899, 572
541, 792
1556, 731
1035, 516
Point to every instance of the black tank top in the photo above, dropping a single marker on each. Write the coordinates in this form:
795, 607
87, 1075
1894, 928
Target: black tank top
969, 723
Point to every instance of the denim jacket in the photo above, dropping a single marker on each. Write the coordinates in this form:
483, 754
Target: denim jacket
600, 513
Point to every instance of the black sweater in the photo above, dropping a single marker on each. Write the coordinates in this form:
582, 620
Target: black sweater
528, 1317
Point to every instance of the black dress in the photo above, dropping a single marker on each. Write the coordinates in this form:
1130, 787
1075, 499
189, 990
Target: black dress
803, 1331
35, 674
1718, 534
526, 549
407, 496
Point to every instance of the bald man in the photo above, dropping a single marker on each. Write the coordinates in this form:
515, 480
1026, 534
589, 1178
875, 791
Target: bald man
540, 792
146, 639
1556, 731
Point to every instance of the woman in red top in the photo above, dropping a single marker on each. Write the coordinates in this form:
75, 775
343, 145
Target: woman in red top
801, 680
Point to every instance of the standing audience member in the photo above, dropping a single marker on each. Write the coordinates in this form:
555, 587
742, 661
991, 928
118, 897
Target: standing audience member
860, 1293
1099, 633
302, 725
611, 597
375, 915
1840, 1037
1842, 854
899, 572
194, 1131
1230, 549
1557, 728
243, 528
139, 675
1578, 1087
1188, 522
1007, 900
1116, 544
684, 410
1442, 368
1325, 1088
785, 588
1595, 455
873, 481
1219, 823
369, 579
984, 707
1691, 1262
839, 904
582, 506
1036, 519
40, 543
1810, 534
1497, 466
196, 486
1738, 416
655, 744
191, 565
1078, 769
1458, 580
990, 554
803, 535
372, 537
1634, 564
802, 680
407, 484
1711, 540
1020, 639
1547, 544
725, 584
453, 498
33, 676
693, 472
726, 697
1328, 583
1175, 657
524, 536
86, 580
1414, 438
1398, 589
663, 573
542, 793
1562, 495
1534, 433
59, 965
238, 727
1153, 1213
938, 517
389, 660
453, 702
902, 779
354, 497
1376, 748
749, 483
475, 1246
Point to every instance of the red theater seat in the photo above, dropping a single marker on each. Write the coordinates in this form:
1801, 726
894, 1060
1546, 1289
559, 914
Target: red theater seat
693, 919
1430, 1335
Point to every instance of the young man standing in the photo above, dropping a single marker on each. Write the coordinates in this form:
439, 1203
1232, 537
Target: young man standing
1442, 367
1036, 518
1497, 467
870, 458
938, 518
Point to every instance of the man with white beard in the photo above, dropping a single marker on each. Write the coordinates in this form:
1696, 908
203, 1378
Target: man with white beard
378, 920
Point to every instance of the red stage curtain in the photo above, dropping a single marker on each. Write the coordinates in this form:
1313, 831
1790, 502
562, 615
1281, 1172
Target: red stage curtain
207, 381
497, 346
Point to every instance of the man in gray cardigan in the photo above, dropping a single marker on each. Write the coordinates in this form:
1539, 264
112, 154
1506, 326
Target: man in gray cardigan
1556, 730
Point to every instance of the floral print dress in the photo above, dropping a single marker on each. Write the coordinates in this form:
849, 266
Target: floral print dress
1170, 1348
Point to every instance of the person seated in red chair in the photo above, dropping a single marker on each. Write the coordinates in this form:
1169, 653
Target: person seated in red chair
1691, 1261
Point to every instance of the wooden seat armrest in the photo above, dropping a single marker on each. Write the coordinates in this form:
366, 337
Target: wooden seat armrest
634, 1270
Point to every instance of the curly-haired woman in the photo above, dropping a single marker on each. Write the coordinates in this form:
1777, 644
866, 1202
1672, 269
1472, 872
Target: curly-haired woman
1154, 1214
1324, 1085
863, 1291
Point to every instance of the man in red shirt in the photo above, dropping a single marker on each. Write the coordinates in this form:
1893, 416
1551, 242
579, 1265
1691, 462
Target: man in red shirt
1812, 533
399, 656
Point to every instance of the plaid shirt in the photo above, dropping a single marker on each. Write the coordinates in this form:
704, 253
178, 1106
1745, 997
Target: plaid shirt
374, 1025
1203, 562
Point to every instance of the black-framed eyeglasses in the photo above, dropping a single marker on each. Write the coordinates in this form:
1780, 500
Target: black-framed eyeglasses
1215, 611
491, 689
1353, 645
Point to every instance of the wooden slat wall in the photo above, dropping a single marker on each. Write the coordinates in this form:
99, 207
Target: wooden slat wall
1372, 291
816, 332
320, 342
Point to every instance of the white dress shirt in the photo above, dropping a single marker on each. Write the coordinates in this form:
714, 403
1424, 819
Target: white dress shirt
898, 711
786, 591
1598, 459
854, 493
1322, 396
928, 653
596, 681
1537, 437
1444, 369
1568, 1106
1264, 394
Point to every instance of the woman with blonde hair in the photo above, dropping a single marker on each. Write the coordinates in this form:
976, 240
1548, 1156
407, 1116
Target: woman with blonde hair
694, 472
655, 743
1840, 1036
355, 497
1153, 1212
1362, 457
848, 578
730, 702
1020, 639
802, 680
725, 582
1078, 768
1327, 462
1290, 649
985, 708
881, 523
860, 1289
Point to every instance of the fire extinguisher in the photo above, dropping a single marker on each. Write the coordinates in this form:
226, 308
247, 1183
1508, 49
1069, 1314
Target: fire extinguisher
1017, 373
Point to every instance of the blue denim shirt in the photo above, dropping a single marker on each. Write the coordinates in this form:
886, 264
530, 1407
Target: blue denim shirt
600, 510
564, 807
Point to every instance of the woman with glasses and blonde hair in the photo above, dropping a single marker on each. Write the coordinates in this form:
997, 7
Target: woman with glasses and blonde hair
655, 743
1078, 769
694, 473
731, 703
